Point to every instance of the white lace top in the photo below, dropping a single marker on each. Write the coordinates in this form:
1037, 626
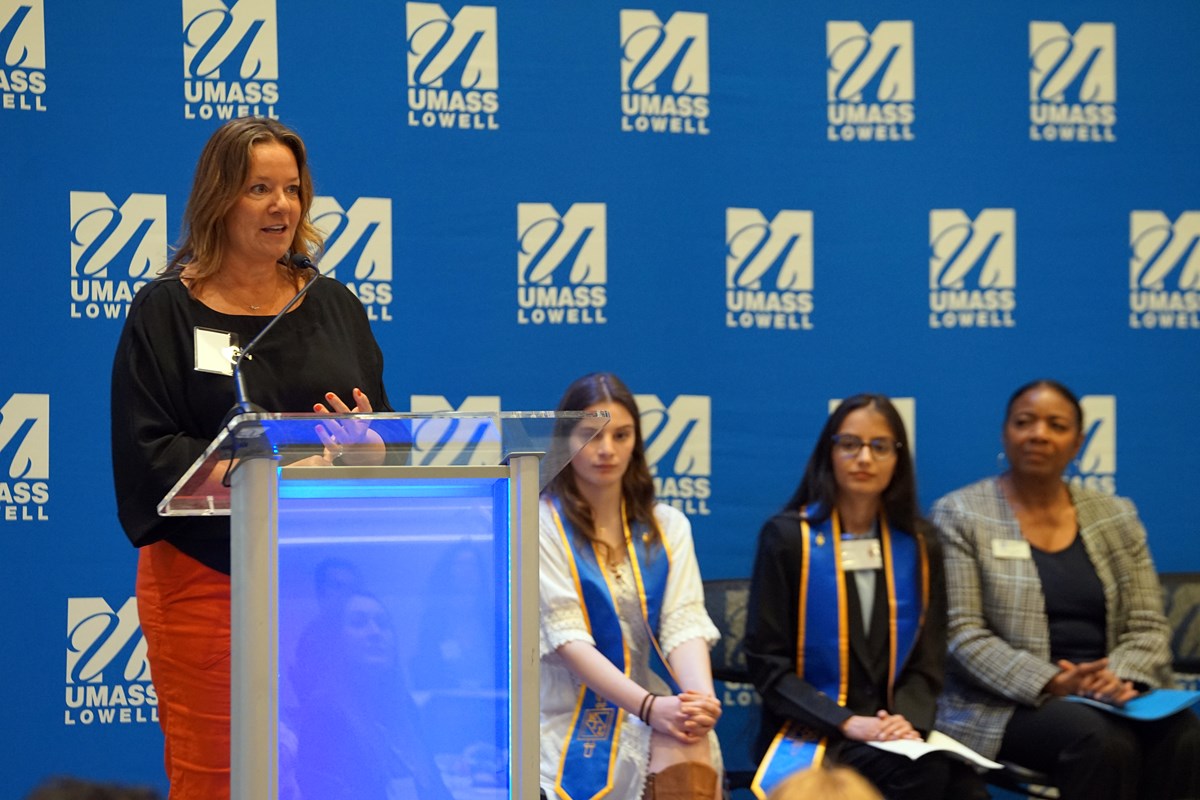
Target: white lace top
683, 617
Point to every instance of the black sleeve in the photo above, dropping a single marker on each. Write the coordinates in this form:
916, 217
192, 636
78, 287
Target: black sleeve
371, 354
771, 630
920, 680
151, 444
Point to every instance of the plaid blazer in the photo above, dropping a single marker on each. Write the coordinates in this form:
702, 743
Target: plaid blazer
997, 633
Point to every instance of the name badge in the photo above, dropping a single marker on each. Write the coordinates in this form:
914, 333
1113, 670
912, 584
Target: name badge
1012, 549
216, 351
858, 554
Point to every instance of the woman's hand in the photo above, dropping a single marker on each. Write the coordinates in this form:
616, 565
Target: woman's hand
1105, 686
687, 716
701, 711
1091, 679
882, 727
352, 440
1073, 678
1116, 692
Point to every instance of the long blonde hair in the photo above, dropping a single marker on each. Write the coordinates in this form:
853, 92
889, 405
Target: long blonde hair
220, 174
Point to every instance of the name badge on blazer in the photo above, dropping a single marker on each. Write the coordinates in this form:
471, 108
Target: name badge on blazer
861, 554
1012, 549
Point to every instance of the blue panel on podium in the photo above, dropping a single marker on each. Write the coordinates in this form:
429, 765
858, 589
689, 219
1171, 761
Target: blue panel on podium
393, 637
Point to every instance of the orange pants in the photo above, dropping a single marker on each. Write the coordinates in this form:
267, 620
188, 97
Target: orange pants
184, 611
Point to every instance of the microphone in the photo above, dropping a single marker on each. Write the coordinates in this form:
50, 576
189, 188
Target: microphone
243, 404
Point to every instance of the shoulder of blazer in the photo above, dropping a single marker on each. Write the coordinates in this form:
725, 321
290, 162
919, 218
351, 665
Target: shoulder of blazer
1096, 508
985, 491
983, 500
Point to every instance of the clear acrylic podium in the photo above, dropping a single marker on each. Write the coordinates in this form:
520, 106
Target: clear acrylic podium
385, 638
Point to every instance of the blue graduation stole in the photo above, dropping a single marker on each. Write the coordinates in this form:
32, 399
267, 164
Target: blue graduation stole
589, 755
823, 639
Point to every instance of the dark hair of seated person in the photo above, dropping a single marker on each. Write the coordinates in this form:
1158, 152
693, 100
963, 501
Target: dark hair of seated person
76, 789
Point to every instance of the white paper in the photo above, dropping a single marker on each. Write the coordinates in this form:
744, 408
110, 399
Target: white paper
937, 742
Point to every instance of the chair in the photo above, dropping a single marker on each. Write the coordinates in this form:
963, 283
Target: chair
726, 600
1022, 780
1181, 604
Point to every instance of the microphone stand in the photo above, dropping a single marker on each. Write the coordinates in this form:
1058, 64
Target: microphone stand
242, 404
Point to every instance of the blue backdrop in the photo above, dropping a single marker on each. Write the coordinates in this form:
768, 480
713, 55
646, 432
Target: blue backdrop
744, 209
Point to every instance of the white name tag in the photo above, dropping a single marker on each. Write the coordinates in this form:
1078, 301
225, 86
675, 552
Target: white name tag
861, 554
215, 351
1014, 549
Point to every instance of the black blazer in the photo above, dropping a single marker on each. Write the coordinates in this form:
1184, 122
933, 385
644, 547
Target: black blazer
771, 628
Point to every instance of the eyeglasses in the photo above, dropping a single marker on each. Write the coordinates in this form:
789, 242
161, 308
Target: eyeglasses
848, 445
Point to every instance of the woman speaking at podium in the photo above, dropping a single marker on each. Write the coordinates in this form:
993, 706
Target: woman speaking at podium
627, 699
242, 259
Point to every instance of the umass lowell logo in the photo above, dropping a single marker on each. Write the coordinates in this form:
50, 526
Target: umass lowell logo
470, 438
679, 449
230, 59
115, 250
1164, 270
25, 458
664, 72
870, 89
453, 67
22, 55
1072, 82
562, 264
108, 676
1096, 465
768, 269
358, 249
972, 268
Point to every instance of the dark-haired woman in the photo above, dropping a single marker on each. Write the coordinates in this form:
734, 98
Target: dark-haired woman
845, 627
171, 390
1052, 593
627, 699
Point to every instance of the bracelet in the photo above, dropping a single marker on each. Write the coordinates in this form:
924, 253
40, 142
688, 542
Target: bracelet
642, 708
650, 709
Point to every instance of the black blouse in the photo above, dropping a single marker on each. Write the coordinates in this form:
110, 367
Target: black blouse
1074, 603
165, 412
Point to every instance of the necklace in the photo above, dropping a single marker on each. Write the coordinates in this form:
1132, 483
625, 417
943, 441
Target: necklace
617, 568
272, 293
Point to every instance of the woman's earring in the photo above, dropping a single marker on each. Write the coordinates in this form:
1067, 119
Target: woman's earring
1002, 461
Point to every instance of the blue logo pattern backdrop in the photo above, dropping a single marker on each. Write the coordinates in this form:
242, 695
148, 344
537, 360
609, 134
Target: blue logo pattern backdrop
743, 209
